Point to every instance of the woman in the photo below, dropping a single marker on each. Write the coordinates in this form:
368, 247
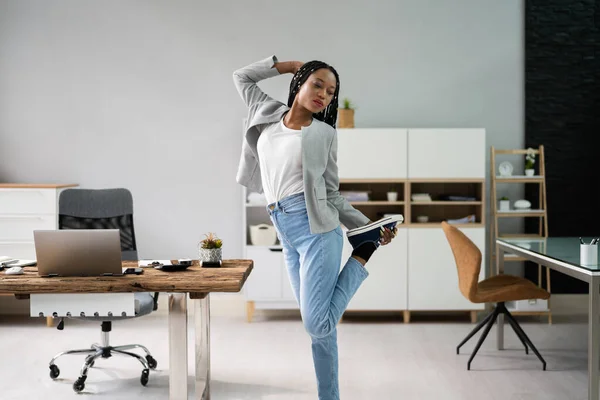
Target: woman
290, 153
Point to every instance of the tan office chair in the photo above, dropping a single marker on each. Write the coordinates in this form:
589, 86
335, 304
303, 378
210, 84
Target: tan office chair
497, 289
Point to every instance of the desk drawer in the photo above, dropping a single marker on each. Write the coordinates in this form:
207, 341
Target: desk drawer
28, 201
24, 250
21, 227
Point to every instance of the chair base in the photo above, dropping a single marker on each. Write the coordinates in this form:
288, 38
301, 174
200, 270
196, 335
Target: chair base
488, 322
105, 351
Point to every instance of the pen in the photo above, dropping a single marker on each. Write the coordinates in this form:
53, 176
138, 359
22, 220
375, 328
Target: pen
594, 241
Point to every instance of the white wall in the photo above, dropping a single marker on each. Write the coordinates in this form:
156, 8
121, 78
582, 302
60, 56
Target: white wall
139, 94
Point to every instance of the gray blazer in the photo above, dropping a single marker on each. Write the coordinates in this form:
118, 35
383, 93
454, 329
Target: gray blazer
326, 207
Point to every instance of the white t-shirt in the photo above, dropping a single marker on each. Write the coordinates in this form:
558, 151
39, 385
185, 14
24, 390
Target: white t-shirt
280, 156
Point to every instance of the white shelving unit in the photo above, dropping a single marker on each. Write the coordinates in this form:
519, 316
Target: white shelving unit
416, 272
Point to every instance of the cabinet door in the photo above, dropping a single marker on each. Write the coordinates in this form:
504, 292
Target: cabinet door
360, 153
265, 280
446, 153
21, 226
24, 250
386, 286
432, 272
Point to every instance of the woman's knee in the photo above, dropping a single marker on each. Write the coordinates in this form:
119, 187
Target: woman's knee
318, 327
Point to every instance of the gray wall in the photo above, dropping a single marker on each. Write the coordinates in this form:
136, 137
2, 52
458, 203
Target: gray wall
139, 94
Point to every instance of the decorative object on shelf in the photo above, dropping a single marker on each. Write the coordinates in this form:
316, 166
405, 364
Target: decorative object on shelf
504, 204
422, 218
505, 168
469, 219
529, 162
392, 196
346, 115
355, 195
263, 235
209, 249
522, 204
417, 197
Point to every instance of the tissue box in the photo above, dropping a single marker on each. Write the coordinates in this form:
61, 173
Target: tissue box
528, 305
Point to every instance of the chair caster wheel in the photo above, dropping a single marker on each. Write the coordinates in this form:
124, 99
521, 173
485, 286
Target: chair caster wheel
151, 362
54, 371
79, 384
144, 378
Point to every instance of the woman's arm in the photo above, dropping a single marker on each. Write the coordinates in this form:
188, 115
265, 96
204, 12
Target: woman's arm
349, 216
246, 78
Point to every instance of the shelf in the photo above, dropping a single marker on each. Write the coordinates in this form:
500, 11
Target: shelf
527, 236
536, 312
369, 181
377, 203
438, 224
521, 213
513, 257
520, 179
446, 203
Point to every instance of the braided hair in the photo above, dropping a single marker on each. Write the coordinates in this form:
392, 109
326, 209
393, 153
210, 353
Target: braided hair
329, 114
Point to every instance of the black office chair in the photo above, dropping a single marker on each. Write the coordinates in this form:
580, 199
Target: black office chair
105, 209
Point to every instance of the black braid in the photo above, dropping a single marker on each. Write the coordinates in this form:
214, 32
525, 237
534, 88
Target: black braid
329, 114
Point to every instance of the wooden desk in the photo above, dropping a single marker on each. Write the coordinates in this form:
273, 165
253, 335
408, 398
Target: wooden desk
198, 282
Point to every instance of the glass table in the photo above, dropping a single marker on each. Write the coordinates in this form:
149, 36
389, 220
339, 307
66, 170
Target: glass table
561, 254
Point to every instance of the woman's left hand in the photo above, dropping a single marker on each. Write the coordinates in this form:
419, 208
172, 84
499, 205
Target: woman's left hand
387, 235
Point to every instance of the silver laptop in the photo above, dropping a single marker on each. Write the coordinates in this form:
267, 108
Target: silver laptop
78, 252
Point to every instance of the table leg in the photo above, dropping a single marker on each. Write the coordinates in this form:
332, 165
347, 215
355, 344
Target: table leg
178, 361
202, 328
500, 327
593, 339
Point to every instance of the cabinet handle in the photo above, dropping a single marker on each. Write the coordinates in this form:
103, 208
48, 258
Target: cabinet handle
275, 249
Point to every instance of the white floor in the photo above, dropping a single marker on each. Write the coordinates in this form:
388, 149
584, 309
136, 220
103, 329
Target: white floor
270, 359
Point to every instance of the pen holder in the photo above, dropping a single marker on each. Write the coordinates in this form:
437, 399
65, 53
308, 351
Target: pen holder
588, 254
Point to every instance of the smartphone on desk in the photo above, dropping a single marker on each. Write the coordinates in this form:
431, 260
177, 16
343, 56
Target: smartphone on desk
136, 271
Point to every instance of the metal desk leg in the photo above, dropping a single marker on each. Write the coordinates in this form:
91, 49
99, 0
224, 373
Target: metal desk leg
178, 362
202, 322
594, 339
500, 270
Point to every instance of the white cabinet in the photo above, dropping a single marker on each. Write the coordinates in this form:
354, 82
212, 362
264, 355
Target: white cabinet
23, 209
268, 285
432, 273
446, 153
372, 153
417, 270
385, 288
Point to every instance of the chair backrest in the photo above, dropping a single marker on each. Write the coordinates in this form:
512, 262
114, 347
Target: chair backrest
468, 260
100, 209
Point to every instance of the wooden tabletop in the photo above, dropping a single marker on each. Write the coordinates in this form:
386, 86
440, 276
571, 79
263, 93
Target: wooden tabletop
196, 280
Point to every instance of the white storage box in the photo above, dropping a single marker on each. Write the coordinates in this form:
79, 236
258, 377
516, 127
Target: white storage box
527, 305
263, 235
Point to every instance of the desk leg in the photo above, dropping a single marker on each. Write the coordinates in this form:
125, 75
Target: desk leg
178, 361
202, 325
594, 339
500, 270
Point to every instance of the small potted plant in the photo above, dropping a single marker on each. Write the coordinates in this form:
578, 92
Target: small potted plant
504, 204
209, 248
346, 115
529, 162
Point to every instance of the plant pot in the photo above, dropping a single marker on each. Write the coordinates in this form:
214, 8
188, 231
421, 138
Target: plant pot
209, 255
504, 205
529, 172
345, 118
392, 196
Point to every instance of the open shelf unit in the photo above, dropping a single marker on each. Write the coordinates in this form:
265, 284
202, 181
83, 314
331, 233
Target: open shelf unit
540, 212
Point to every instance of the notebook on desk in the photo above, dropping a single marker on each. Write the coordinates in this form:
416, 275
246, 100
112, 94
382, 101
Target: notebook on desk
78, 252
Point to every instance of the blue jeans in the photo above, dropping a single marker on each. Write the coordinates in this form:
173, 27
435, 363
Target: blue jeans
321, 290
